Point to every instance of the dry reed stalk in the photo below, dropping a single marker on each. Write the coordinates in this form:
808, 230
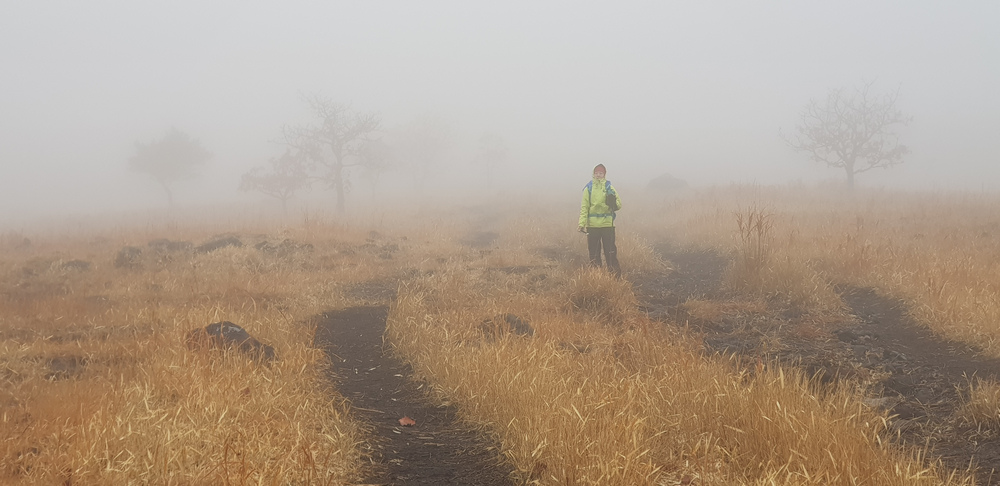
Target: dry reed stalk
754, 246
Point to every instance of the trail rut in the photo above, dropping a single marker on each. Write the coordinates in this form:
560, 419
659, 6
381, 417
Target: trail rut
438, 449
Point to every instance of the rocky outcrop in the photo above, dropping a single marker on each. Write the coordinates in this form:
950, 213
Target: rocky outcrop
128, 257
218, 243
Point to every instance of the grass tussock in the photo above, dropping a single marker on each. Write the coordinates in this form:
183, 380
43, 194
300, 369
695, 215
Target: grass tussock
982, 404
598, 296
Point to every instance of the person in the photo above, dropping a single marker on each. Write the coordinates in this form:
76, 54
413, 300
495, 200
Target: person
597, 219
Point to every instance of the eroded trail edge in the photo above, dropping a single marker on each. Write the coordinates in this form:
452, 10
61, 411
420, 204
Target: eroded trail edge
439, 449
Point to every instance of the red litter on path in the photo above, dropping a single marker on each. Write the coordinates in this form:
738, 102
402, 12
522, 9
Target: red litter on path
407, 422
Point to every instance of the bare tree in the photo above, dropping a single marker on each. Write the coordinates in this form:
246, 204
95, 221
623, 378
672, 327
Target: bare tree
333, 143
492, 152
376, 157
287, 176
852, 130
423, 142
175, 157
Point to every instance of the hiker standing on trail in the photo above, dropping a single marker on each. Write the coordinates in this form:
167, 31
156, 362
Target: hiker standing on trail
597, 219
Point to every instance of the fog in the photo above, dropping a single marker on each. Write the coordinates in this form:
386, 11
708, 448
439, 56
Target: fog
699, 90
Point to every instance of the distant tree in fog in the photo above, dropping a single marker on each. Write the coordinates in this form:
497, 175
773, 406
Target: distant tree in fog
287, 175
851, 130
492, 153
422, 143
175, 157
377, 158
332, 144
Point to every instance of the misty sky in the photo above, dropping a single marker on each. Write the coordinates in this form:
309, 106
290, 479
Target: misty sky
696, 89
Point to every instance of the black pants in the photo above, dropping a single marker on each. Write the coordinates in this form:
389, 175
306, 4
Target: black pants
598, 237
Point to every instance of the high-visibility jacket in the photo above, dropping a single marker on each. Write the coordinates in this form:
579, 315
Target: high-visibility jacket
594, 210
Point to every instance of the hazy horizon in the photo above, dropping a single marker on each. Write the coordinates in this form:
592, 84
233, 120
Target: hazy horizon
697, 90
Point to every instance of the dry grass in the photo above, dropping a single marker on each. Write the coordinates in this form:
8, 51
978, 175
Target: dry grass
601, 395
938, 252
590, 403
98, 387
982, 404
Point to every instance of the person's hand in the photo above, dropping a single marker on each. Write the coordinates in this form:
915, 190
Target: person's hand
583, 230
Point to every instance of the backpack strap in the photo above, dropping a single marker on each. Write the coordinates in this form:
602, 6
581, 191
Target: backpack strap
608, 190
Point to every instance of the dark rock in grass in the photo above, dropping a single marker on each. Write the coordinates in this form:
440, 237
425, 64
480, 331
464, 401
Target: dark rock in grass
78, 265
165, 245
286, 247
503, 324
65, 367
128, 257
226, 335
219, 243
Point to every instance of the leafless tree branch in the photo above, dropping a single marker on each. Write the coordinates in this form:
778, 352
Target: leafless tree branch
852, 130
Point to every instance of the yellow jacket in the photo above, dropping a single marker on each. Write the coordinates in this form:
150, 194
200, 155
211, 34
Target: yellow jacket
594, 211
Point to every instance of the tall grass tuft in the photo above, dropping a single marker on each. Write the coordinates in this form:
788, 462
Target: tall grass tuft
598, 296
982, 404
754, 247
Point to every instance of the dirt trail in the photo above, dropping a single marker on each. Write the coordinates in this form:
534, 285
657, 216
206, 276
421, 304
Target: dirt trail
437, 450
917, 375
924, 374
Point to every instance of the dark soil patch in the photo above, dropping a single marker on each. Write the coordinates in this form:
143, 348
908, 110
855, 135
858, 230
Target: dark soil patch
913, 374
438, 449
695, 274
925, 376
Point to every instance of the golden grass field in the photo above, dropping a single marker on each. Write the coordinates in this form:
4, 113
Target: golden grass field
99, 388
